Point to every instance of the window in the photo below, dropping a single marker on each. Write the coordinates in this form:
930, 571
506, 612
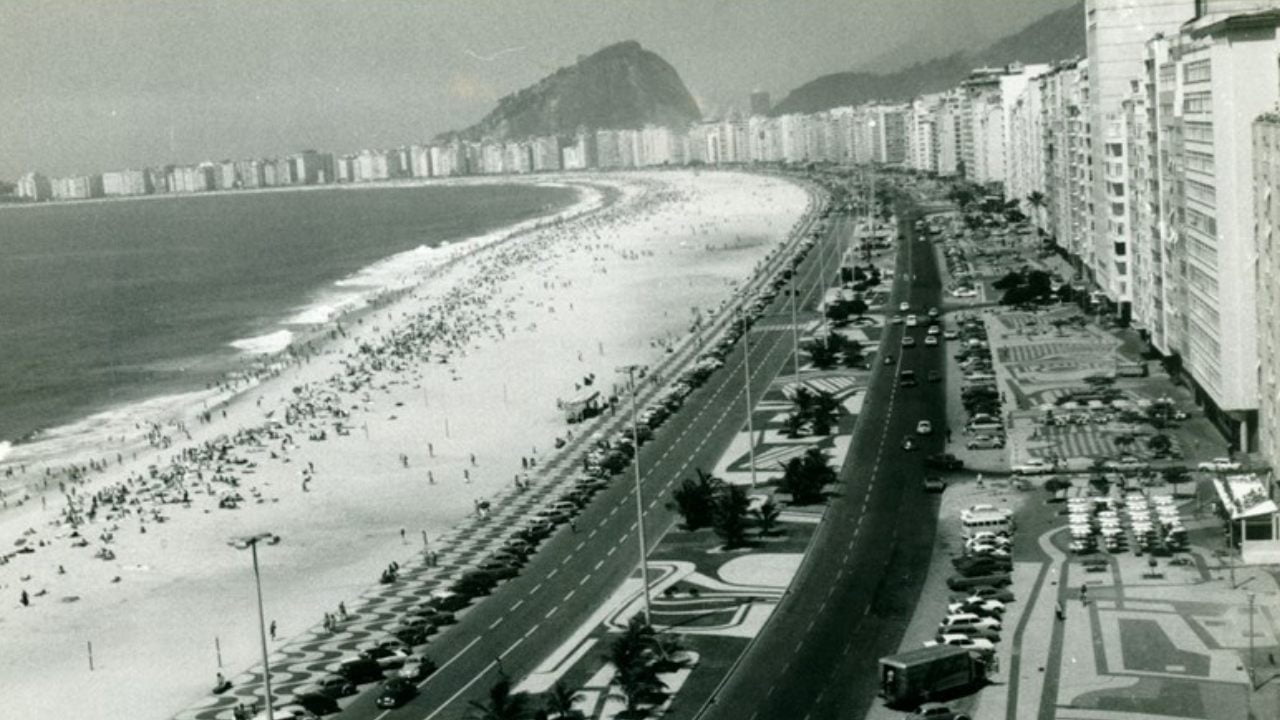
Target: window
1199, 161
1201, 221
1201, 132
1196, 71
1201, 192
1197, 102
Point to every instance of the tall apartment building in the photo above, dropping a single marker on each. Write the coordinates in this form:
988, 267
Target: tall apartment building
126, 182
34, 186
1266, 196
1068, 163
1025, 157
1116, 32
990, 95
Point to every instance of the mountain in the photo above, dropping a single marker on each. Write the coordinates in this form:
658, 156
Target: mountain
1057, 36
620, 86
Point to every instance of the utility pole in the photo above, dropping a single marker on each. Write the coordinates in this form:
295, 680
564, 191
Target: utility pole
630, 370
746, 370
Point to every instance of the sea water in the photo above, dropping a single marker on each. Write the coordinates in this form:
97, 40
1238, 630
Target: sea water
108, 306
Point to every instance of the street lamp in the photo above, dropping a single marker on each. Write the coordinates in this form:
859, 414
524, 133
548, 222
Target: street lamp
746, 371
795, 328
635, 461
250, 542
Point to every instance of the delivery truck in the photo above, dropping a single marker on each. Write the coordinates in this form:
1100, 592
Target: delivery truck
915, 676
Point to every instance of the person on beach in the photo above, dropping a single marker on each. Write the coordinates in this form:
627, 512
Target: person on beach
273, 630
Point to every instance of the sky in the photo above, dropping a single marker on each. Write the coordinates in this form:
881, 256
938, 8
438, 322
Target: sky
94, 85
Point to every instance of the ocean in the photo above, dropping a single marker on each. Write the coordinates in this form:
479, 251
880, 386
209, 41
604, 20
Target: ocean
110, 304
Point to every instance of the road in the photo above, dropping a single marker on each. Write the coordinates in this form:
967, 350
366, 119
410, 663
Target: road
853, 597
527, 617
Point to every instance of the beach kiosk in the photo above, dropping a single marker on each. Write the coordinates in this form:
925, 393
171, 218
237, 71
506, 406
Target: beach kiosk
1251, 515
580, 406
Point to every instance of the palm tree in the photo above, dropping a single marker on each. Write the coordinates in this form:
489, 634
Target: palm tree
823, 412
634, 656
1037, 201
503, 704
560, 701
730, 516
767, 516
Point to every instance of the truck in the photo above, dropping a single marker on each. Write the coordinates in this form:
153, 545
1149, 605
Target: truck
915, 676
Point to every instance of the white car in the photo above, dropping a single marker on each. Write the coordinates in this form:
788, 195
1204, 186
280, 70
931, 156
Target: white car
991, 606
951, 335
1034, 466
1220, 464
964, 292
963, 641
904, 307
934, 330
924, 427
912, 321
970, 619
908, 341
931, 340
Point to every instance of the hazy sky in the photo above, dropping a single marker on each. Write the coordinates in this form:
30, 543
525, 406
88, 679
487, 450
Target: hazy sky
91, 85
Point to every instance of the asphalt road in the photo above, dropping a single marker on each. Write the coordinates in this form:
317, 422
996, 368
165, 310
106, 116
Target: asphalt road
853, 597
528, 617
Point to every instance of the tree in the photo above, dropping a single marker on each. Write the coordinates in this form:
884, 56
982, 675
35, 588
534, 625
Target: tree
804, 477
560, 701
838, 311
858, 306
503, 704
1159, 444
823, 413
853, 354
821, 353
767, 517
730, 516
634, 658
793, 425
1010, 280
1056, 484
696, 498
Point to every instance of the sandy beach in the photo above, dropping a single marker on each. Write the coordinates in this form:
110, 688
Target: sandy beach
381, 425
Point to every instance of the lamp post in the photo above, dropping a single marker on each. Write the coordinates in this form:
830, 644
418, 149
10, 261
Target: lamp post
251, 543
795, 329
746, 370
635, 461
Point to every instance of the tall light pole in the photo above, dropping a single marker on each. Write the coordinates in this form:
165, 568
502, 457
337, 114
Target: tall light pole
251, 542
746, 371
795, 328
630, 370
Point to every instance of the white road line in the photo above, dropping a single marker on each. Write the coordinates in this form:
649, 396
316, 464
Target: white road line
518, 604
552, 573
552, 611
466, 687
599, 563
570, 594
495, 623
535, 588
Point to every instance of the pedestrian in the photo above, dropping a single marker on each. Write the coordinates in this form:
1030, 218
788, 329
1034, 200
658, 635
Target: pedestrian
1084, 593
25, 599
402, 540
473, 458
431, 478
342, 610
1057, 610
273, 629
573, 526
466, 475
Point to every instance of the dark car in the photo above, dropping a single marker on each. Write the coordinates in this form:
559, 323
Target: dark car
317, 703
944, 461
475, 583
396, 692
1004, 595
360, 670
968, 582
334, 686
499, 569
981, 564
434, 614
384, 656
934, 484
415, 634
450, 602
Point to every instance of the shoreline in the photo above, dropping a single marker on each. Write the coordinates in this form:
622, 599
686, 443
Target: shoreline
529, 319
305, 337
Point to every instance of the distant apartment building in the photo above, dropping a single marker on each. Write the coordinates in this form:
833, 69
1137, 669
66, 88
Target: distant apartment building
34, 186
1024, 158
76, 187
126, 182
922, 133
990, 96
1067, 161
371, 166
546, 153
311, 168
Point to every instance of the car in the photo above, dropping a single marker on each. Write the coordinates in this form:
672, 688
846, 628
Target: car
434, 614
315, 703
416, 634
931, 340
448, 600
912, 321
981, 608
1004, 595
934, 330
985, 442
964, 641
951, 335
385, 657
1219, 464
964, 292
924, 427
499, 569
904, 307
936, 711
288, 711
417, 668
908, 341
359, 670
908, 444
1034, 466
934, 484
944, 461
332, 685
888, 359
395, 692
972, 619
897, 320
1126, 464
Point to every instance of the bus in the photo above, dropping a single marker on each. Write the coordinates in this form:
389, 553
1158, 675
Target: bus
986, 518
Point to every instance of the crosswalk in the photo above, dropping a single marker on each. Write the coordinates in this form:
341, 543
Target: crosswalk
1031, 352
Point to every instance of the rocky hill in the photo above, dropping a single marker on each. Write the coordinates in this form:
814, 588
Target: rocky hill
621, 86
1057, 36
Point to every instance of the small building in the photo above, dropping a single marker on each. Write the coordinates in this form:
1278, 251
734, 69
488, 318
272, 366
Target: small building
1250, 511
582, 405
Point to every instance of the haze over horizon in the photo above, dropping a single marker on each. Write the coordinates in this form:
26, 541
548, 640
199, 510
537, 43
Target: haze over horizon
99, 86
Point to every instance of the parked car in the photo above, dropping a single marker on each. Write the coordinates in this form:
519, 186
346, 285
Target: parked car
359, 670
332, 685
944, 461
1219, 464
1004, 595
985, 442
924, 427
396, 692
970, 619
385, 657
936, 711
417, 668
934, 484
1035, 466
964, 641
315, 703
